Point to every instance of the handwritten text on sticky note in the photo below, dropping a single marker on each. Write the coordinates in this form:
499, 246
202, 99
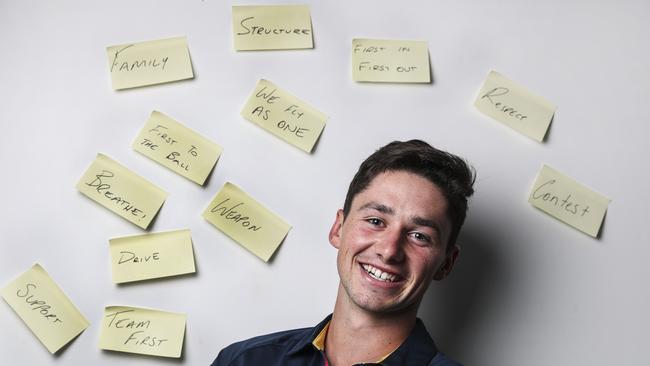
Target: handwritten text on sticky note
392, 61
272, 27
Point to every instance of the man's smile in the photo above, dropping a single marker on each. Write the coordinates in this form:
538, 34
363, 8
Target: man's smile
380, 275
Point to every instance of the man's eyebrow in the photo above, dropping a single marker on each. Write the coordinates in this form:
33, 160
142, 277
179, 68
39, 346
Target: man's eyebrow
421, 221
377, 206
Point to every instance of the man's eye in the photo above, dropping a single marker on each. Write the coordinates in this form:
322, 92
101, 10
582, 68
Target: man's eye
421, 237
374, 221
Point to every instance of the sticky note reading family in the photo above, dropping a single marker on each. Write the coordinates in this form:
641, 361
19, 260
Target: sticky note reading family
144, 331
178, 148
122, 191
514, 106
568, 201
390, 61
271, 27
148, 63
284, 115
246, 221
43, 306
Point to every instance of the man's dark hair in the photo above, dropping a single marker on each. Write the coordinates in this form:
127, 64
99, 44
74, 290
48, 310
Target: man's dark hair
450, 173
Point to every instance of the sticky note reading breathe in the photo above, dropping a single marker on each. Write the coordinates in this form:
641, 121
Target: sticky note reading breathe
514, 106
390, 61
46, 310
155, 255
148, 63
284, 115
271, 27
246, 221
122, 191
144, 331
178, 148
568, 201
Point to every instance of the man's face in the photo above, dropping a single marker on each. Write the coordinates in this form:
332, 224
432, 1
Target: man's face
393, 242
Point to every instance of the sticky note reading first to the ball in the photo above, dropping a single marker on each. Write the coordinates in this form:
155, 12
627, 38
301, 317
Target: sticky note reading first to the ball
271, 27
43, 306
246, 221
569, 201
390, 61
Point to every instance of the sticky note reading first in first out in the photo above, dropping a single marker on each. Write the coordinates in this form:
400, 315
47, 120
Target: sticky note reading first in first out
390, 61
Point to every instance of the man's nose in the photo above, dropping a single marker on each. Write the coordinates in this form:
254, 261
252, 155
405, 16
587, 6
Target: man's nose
390, 247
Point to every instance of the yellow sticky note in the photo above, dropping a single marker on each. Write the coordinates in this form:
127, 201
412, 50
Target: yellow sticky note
147, 63
246, 221
155, 255
390, 61
284, 115
514, 106
271, 27
43, 306
122, 191
143, 331
568, 201
177, 147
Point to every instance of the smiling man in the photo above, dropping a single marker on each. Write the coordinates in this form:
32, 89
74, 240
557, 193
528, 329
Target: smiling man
395, 234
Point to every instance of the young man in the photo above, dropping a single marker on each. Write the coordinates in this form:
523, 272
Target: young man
395, 234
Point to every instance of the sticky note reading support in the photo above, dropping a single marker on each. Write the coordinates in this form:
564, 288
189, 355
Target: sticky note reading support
514, 106
246, 221
46, 310
568, 201
390, 61
144, 331
148, 63
284, 115
122, 191
271, 27
178, 148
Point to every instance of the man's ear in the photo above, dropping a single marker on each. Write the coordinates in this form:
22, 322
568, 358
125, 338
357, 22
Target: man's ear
448, 264
335, 231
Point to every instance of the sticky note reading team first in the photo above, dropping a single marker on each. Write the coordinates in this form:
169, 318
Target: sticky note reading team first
246, 221
43, 306
568, 201
390, 61
148, 63
271, 27
122, 191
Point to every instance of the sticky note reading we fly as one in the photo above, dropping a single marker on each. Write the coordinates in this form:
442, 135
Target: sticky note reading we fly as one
271, 27
390, 61
122, 191
43, 306
147, 63
246, 221
568, 201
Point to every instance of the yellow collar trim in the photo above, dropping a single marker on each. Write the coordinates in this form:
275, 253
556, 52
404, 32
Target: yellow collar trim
319, 341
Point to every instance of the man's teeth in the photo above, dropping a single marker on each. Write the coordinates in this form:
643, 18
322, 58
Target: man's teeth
379, 274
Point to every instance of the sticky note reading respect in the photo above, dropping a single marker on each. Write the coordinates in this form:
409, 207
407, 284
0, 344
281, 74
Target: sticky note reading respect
568, 201
122, 191
178, 148
390, 61
46, 310
144, 331
284, 115
155, 255
148, 63
271, 27
514, 106
246, 221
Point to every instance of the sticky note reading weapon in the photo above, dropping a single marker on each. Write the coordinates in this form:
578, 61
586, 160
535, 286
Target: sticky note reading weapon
514, 106
144, 331
43, 306
284, 115
246, 221
272, 27
155, 255
178, 148
568, 201
147, 63
391, 61
122, 191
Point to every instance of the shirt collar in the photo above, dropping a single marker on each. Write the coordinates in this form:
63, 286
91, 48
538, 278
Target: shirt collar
306, 341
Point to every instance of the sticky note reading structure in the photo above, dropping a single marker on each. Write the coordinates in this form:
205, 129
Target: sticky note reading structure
155, 255
178, 148
148, 63
391, 61
284, 115
122, 191
272, 27
144, 331
246, 221
43, 306
514, 106
568, 201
